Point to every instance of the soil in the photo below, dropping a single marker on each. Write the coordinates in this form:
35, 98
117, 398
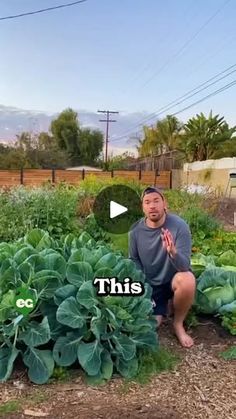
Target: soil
202, 385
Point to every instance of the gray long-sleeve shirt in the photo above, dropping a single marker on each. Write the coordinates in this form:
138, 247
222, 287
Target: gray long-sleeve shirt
147, 251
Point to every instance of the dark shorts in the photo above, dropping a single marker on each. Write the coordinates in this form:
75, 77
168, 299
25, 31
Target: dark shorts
160, 296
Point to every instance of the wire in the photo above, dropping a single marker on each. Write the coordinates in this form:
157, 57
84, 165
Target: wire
194, 94
222, 89
74, 3
146, 67
186, 44
177, 101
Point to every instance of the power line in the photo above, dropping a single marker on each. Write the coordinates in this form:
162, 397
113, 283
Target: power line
186, 44
107, 120
48, 9
186, 97
177, 101
222, 89
146, 67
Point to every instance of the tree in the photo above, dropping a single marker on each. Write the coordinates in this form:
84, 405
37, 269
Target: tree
65, 130
49, 154
161, 138
90, 145
169, 130
207, 138
82, 145
33, 151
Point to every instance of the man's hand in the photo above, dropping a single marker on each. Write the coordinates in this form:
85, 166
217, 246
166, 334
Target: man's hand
168, 242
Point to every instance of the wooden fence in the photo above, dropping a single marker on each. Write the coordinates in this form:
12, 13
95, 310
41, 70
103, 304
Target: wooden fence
37, 177
163, 162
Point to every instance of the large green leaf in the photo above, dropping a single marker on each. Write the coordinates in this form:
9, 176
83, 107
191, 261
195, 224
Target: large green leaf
212, 277
7, 304
143, 309
64, 292
7, 358
79, 272
36, 261
69, 313
84, 238
148, 339
100, 252
26, 271
104, 273
98, 324
86, 295
109, 261
40, 364
22, 254
139, 325
55, 262
124, 346
46, 282
9, 276
67, 245
121, 313
125, 267
83, 255
89, 355
227, 258
107, 365
50, 310
36, 333
66, 348
105, 372
37, 238
127, 369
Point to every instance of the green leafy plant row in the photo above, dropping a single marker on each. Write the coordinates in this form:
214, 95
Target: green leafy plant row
70, 324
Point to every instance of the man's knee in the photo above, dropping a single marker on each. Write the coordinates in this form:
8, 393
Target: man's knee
184, 281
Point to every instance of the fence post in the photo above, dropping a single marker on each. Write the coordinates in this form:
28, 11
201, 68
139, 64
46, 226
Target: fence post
170, 179
53, 175
83, 174
156, 174
140, 173
22, 176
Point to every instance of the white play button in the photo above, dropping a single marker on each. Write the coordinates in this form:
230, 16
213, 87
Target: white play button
116, 209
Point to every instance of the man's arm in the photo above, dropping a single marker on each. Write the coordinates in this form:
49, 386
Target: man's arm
133, 250
182, 258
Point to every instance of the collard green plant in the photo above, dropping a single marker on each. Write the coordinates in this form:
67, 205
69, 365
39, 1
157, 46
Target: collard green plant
70, 323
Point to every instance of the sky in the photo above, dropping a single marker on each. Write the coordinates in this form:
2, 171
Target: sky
123, 55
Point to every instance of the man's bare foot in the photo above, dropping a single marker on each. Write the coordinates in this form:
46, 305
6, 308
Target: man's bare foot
185, 340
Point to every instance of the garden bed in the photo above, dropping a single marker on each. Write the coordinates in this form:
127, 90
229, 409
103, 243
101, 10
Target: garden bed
202, 385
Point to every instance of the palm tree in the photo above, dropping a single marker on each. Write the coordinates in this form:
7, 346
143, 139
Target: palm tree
161, 138
204, 138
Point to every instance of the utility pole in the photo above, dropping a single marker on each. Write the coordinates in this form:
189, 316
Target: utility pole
108, 120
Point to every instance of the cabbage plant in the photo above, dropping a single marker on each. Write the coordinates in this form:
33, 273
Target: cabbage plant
70, 324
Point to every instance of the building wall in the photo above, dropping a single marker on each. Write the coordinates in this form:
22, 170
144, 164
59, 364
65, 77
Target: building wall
216, 179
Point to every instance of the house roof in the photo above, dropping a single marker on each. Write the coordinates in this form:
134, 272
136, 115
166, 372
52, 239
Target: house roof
89, 168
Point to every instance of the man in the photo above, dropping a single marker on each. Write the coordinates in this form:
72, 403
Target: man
160, 245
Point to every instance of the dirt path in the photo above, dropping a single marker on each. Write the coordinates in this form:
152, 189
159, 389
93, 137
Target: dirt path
201, 386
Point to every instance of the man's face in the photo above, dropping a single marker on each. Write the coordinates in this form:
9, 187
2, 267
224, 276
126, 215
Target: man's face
153, 206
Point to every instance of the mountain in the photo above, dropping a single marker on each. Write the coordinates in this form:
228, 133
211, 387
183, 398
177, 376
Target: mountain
14, 120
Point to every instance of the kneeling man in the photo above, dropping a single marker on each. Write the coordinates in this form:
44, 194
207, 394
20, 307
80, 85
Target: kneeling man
160, 244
